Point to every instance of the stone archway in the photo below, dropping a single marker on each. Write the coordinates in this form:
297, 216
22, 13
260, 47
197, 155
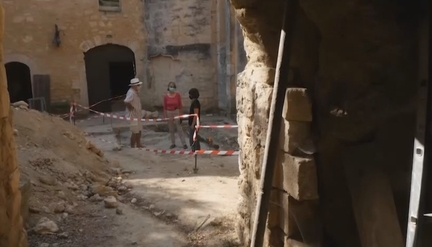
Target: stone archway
109, 69
96, 41
19, 81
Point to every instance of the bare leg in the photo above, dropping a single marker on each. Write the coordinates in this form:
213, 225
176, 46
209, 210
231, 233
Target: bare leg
132, 140
171, 127
138, 140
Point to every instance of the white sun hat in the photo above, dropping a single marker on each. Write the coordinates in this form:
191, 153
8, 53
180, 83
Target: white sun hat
135, 82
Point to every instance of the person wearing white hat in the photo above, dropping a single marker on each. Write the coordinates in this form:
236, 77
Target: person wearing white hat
134, 111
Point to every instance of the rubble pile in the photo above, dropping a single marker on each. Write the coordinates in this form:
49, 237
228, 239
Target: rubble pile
61, 173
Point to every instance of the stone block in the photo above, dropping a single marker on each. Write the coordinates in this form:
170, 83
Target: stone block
300, 178
293, 134
279, 214
84, 46
286, 221
97, 40
297, 106
305, 214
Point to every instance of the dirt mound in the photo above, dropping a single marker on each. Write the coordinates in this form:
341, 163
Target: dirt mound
44, 141
57, 161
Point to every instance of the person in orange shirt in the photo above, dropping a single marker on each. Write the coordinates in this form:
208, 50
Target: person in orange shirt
173, 107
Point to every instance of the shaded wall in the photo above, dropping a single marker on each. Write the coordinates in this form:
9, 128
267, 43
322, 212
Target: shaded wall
359, 62
181, 49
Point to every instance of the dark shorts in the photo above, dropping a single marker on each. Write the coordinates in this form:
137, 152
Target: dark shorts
194, 145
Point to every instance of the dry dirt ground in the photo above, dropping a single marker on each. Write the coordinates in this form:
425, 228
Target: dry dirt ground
161, 202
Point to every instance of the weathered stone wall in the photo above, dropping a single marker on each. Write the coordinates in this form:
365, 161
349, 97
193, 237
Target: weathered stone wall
194, 44
11, 227
358, 62
30, 32
181, 48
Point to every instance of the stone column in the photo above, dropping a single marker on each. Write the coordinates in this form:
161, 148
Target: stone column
253, 96
261, 25
11, 226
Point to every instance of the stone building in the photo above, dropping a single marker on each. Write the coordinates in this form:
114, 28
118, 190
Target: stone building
87, 51
194, 43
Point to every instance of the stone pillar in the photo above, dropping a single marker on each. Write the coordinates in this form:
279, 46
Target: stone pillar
261, 25
253, 96
11, 226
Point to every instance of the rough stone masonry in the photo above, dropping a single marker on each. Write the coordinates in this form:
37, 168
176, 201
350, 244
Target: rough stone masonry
12, 233
356, 63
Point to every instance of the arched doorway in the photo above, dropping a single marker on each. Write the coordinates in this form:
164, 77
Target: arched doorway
19, 81
109, 69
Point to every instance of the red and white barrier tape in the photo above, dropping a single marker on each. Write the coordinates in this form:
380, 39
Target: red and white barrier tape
73, 109
143, 119
211, 152
227, 126
97, 103
181, 152
218, 152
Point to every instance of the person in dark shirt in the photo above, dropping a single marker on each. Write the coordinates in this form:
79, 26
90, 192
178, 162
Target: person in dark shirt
195, 108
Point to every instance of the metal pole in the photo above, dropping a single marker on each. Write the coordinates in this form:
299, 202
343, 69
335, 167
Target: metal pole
421, 154
275, 118
196, 164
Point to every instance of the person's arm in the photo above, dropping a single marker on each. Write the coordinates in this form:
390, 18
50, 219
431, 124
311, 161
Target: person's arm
194, 121
164, 106
129, 106
180, 104
128, 100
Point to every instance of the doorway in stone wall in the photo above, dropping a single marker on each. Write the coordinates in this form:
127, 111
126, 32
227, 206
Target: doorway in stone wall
119, 73
19, 81
109, 69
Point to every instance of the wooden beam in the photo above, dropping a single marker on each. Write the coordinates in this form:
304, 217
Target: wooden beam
372, 197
